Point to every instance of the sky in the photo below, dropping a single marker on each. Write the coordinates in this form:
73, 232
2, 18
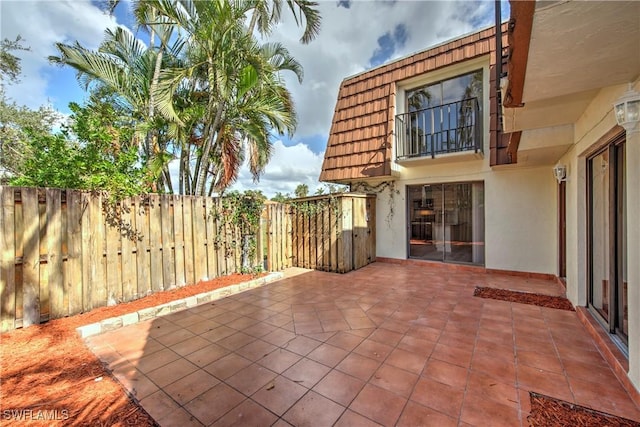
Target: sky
355, 36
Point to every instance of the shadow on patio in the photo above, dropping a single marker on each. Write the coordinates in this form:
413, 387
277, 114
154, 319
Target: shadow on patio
384, 345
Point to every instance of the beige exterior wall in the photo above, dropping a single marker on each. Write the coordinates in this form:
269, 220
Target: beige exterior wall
589, 130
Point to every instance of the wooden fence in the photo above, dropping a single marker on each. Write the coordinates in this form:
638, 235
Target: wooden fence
330, 233
63, 252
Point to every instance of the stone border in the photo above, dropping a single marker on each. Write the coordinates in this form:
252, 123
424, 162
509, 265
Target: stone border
117, 322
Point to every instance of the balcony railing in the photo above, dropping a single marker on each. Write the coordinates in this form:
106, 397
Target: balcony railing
448, 128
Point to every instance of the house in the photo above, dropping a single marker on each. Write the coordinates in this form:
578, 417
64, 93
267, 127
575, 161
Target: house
530, 176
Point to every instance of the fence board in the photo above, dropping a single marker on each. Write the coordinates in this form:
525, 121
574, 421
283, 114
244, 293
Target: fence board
30, 257
74, 279
188, 240
7, 260
210, 227
127, 258
220, 239
113, 271
199, 238
155, 243
142, 255
54, 253
168, 242
98, 294
178, 228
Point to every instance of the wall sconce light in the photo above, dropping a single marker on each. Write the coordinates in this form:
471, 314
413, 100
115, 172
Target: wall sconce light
627, 109
560, 172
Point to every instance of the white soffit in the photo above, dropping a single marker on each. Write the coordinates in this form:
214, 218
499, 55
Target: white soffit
579, 46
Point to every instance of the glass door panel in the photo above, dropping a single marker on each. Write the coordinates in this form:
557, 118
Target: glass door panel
621, 296
600, 226
446, 222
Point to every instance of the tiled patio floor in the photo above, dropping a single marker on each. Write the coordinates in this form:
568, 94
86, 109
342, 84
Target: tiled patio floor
384, 345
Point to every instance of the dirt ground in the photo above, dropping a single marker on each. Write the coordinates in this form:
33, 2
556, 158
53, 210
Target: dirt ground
48, 376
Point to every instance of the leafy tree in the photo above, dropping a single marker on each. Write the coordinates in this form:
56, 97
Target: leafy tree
17, 125
302, 190
281, 198
9, 63
267, 14
90, 154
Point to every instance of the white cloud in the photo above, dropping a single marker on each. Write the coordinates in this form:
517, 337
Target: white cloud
41, 24
289, 166
349, 37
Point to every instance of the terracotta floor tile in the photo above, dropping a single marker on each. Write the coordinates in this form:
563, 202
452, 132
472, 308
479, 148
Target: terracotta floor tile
306, 372
327, 355
301, 345
373, 350
545, 382
303, 328
259, 329
214, 403
358, 366
279, 360
345, 340
156, 360
175, 337
191, 386
493, 365
425, 333
279, 320
207, 355
320, 336
436, 395
248, 413
406, 360
159, 329
218, 333
353, 419
159, 404
417, 345
369, 404
136, 383
179, 417
250, 379
339, 387
171, 372
256, 350
446, 373
387, 337
235, 341
202, 327
453, 355
278, 337
314, 410
546, 361
588, 372
483, 385
418, 415
360, 322
227, 366
185, 320
477, 410
394, 379
190, 345
279, 395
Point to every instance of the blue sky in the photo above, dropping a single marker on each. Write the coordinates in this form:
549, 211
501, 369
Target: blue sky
355, 36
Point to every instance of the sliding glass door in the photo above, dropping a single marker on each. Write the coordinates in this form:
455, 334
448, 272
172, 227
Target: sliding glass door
446, 222
607, 238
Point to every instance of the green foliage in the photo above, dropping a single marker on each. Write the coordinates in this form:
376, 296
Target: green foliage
90, 154
243, 209
281, 198
302, 190
9, 63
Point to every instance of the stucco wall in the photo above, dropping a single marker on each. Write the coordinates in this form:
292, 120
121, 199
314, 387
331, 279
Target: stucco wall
589, 130
520, 213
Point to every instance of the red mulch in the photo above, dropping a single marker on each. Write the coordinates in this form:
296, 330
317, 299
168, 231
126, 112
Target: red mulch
48, 376
550, 412
524, 298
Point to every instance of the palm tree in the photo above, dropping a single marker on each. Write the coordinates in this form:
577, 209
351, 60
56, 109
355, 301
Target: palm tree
266, 14
237, 83
123, 65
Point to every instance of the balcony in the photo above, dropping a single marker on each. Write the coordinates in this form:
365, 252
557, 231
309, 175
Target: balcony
445, 129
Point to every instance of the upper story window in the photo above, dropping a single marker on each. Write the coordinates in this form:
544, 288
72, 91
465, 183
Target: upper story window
441, 117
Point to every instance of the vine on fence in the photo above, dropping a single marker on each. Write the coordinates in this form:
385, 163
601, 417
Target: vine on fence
241, 210
379, 189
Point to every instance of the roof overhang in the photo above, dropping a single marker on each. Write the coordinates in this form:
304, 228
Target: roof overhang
574, 49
